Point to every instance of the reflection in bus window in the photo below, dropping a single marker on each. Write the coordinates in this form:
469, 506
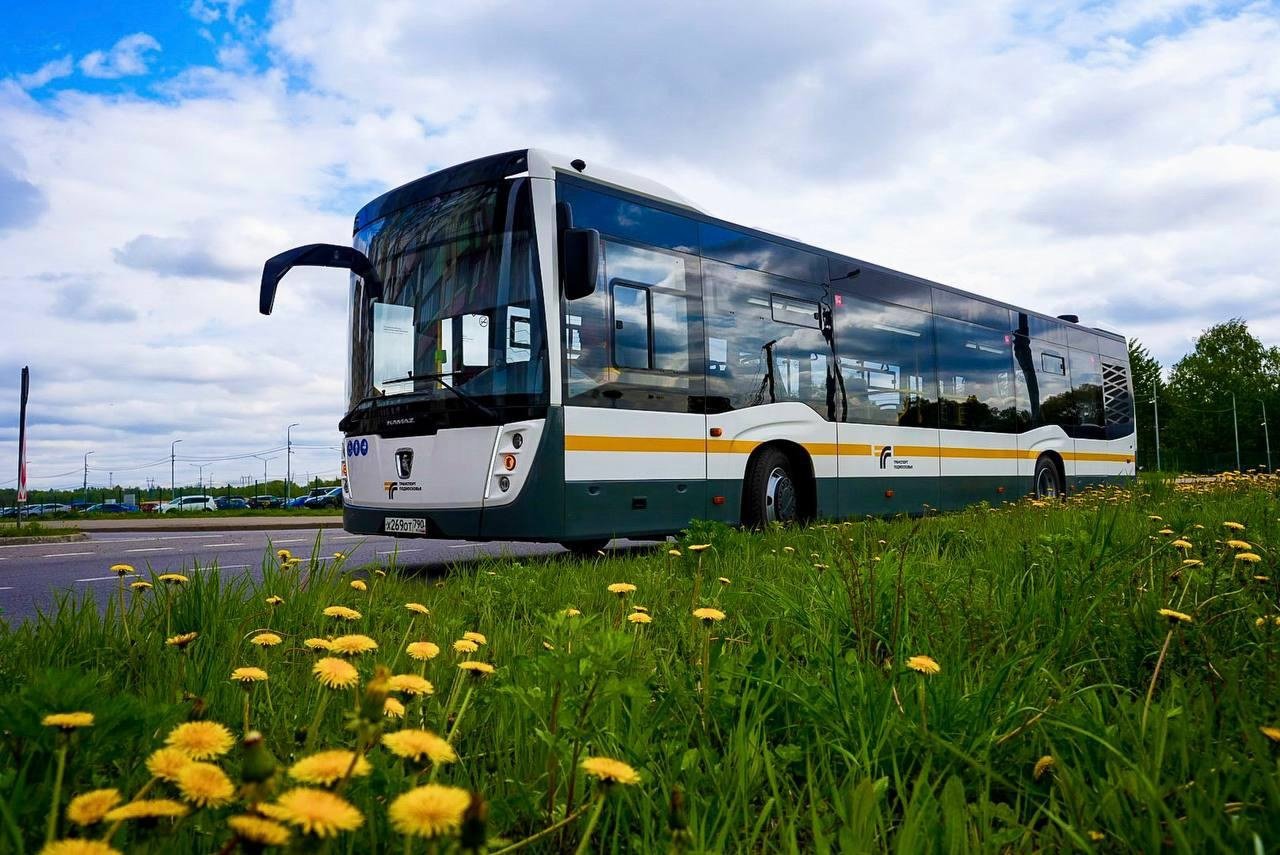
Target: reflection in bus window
886, 362
975, 377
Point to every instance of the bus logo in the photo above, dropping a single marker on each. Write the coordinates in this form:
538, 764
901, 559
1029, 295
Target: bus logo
886, 454
390, 487
404, 462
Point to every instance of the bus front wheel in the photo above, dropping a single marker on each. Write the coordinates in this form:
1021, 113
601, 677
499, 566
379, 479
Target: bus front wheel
771, 491
1048, 481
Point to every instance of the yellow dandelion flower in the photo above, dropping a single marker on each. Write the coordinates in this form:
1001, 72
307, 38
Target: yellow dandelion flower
1248, 557
140, 585
1155, 518
639, 618
924, 664
275, 600
68, 721
417, 744
248, 675
1044, 764
205, 785
431, 810
173, 578
1096, 836
200, 740
708, 615
182, 640
674, 553
1272, 733
610, 771
352, 645
1233, 526
1192, 562
392, 708
698, 547
622, 588
1181, 544
640, 609
411, 684
123, 569
335, 673
572, 612
1239, 544
266, 639
422, 650
465, 645
317, 812
1261, 578
147, 809
329, 767
284, 555
1165, 531
255, 829
75, 846
338, 556
476, 637
342, 612
788, 549
418, 608
477, 669
1175, 616
166, 763
318, 644
724, 580
89, 808
359, 585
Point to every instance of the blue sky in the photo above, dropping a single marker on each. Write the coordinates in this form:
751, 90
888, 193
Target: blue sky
1116, 160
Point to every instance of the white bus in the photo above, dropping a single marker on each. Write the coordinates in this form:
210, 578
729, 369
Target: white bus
545, 349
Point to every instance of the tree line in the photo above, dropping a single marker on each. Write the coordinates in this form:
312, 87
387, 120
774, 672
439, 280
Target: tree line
1197, 433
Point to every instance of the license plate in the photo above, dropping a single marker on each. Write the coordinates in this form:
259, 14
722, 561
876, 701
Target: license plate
406, 525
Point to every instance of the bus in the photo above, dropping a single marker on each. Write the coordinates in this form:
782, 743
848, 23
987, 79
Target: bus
545, 349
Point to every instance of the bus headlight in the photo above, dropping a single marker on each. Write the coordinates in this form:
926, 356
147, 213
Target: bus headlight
517, 440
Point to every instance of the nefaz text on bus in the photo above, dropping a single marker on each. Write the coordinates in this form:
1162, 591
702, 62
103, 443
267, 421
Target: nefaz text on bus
543, 349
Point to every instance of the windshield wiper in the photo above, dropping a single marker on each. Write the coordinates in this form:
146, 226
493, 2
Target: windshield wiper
439, 378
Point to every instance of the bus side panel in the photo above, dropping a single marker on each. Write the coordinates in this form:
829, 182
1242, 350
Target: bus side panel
978, 466
1103, 461
630, 472
537, 513
743, 431
887, 469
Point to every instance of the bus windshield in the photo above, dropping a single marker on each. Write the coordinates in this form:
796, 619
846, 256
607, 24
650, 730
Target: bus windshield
460, 305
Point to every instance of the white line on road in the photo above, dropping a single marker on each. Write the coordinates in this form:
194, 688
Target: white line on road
214, 545
9, 588
147, 549
399, 551
63, 554
96, 579
463, 545
295, 540
351, 536
233, 566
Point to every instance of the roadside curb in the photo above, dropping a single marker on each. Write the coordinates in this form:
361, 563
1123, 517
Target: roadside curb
216, 524
43, 538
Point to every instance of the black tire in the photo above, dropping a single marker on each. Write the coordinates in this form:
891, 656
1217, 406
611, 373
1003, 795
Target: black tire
585, 548
1047, 481
771, 493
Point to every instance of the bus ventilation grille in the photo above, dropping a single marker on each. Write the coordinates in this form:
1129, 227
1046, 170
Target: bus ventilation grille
1116, 400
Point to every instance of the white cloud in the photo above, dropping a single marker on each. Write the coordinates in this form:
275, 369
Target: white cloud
126, 58
1119, 162
50, 71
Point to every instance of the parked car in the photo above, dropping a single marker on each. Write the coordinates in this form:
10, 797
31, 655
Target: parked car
190, 503
150, 507
332, 498
48, 509
297, 502
266, 502
233, 503
111, 508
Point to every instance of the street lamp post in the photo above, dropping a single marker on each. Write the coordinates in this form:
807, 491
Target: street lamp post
264, 468
1235, 427
173, 490
1155, 403
201, 467
86, 475
288, 457
1266, 436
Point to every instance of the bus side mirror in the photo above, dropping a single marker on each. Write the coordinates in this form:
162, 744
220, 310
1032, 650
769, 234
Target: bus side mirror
579, 262
315, 255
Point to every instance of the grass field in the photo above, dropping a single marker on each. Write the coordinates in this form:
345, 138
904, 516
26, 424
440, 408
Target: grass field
1066, 712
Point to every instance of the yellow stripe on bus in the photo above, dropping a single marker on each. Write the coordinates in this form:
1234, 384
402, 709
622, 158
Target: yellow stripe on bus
679, 445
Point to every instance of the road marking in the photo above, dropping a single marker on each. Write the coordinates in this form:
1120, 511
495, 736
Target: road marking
96, 579
10, 588
463, 545
295, 540
213, 545
233, 566
350, 536
149, 549
399, 551
63, 554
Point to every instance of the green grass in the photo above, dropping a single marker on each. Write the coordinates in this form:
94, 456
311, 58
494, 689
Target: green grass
10, 528
811, 734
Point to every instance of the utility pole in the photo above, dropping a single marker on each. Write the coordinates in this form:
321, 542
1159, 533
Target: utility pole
173, 490
1266, 436
1155, 402
264, 468
201, 467
86, 475
1235, 427
288, 466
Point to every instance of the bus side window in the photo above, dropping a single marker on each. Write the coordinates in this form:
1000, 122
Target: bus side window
631, 327
886, 361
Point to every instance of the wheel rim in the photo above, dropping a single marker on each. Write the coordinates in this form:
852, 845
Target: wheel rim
1046, 484
780, 497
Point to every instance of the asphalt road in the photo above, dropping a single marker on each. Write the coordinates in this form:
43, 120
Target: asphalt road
32, 575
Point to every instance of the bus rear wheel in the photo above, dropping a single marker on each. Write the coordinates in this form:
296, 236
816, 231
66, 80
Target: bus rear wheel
1048, 481
771, 491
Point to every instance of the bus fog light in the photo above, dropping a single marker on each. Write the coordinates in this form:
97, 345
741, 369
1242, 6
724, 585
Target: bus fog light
504, 483
517, 440
509, 461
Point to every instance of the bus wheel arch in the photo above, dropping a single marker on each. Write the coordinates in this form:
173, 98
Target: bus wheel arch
1050, 477
778, 485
